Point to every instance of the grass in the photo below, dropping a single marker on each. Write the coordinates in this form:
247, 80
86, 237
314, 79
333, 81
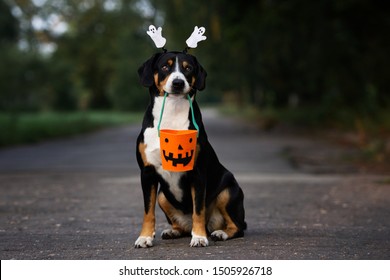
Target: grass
25, 128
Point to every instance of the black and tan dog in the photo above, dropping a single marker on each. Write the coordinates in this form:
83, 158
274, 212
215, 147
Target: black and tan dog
205, 200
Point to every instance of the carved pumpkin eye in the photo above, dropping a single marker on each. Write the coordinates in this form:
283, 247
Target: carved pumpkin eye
166, 140
190, 140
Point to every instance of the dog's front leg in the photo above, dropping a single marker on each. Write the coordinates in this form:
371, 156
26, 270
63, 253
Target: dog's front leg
199, 235
149, 189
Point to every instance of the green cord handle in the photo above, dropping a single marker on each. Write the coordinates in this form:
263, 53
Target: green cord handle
161, 113
192, 113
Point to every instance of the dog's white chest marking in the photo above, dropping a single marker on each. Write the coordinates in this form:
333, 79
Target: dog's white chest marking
175, 116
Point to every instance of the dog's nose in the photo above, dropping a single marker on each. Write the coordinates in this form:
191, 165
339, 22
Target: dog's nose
178, 84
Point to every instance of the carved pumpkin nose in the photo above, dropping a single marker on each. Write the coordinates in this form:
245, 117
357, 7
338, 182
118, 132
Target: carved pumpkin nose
180, 148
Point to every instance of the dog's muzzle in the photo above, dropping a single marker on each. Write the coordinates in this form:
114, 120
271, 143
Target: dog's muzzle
178, 86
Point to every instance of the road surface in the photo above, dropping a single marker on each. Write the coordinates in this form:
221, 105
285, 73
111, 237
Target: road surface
80, 198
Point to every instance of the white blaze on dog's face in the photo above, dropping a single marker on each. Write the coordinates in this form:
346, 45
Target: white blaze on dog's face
177, 82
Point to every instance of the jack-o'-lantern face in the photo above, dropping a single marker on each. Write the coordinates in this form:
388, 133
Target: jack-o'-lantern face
177, 149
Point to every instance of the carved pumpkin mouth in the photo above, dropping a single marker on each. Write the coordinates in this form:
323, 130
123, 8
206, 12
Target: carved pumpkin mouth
180, 159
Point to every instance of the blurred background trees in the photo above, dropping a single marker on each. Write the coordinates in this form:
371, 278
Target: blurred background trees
330, 57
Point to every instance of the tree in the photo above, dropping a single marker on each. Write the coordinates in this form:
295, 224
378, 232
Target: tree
104, 48
8, 25
21, 73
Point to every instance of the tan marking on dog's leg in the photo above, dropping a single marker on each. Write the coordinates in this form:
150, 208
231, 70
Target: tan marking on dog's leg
177, 218
146, 236
222, 201
149, 222
199, 235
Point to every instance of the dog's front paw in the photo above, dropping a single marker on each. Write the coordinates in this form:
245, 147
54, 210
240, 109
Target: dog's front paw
219, 235
170, 234
144, 242
199, 241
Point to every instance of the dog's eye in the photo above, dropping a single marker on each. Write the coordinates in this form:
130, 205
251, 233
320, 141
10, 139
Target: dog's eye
188, 68
165, 68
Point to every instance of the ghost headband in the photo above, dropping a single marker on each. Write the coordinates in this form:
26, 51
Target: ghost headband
192, 42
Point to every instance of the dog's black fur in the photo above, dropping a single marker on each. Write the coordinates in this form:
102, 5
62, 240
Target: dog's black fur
201, 202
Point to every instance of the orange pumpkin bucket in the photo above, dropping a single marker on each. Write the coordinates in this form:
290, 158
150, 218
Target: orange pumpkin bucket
177, 147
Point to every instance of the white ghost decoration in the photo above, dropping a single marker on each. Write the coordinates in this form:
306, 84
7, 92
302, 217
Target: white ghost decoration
196, 36
156, 36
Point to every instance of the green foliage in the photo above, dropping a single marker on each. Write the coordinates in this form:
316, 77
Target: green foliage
22, 80
331, 55
8, 25
94, 63
33, 127
125, 91
105, 51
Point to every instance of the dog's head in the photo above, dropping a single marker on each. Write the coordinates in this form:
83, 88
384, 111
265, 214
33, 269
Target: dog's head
173, 72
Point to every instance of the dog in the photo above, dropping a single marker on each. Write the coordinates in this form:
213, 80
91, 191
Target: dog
204, 201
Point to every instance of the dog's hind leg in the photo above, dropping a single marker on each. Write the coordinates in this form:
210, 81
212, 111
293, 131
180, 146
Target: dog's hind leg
231, 208
181, 223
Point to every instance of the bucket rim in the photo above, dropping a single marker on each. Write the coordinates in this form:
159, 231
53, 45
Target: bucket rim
178, 131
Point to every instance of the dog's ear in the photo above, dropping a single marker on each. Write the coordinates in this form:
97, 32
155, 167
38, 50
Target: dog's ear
200, 82
145, 72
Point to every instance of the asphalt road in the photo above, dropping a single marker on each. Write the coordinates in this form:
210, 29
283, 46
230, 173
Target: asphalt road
80, 198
